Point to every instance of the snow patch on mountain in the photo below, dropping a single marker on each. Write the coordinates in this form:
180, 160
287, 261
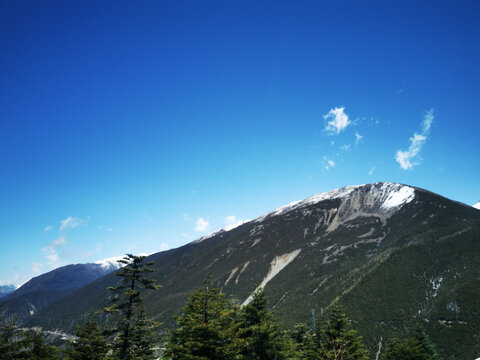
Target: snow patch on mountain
477, 205
388, 195
277, 265
397, 195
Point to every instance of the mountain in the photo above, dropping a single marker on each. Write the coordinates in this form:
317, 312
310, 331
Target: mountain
47, 288
477, 205
396, 256
6, 289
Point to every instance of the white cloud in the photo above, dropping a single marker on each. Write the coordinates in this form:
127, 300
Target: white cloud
60, 241
410, 158
327, 163
51, 255
371, 170
37, 268
48, 228
231, 222
50, 251
202, 225
70, 223
358, 138
164, 247
101, 227
337, 120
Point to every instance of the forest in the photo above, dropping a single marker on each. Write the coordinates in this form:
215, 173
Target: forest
210, 327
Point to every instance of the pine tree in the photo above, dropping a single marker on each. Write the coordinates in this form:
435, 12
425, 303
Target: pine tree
38, 350
89, 344
13, 341
205, 328
259, 334
412, 348
304, 346
337, 339
133, 338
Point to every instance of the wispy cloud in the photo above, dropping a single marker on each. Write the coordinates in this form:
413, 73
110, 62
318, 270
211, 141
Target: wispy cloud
231, 222
70, 223
328, 163
48, 228
410, 158
202, 225
358, 138
104, 227
50, 251
371, 170
60, 241
163, 247
37, 268
337, 120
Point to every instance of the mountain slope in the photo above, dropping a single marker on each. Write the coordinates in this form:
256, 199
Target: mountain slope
394, 254
47, 288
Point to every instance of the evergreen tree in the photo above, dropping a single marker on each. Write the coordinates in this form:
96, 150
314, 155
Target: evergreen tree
133, 338
259, 334
412, 348
38, 350
13, 341
89, 343
205, 328
337, 339
304, 346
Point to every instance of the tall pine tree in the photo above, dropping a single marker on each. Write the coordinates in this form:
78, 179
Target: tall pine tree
260, 337
89, 344
13, 341
337, 339
133, 331
418, 347
205, 328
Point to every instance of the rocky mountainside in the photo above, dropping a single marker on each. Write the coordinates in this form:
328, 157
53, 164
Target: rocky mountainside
47, 288
396, 256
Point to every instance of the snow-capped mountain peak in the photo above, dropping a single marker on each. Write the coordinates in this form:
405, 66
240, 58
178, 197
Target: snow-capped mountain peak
389, 196
477, 205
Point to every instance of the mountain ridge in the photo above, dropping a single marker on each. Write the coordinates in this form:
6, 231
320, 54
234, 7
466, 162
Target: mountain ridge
383, 262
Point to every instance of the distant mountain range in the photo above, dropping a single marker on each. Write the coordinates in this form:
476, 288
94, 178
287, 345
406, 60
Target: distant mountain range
6, 289
396, 256
47, 288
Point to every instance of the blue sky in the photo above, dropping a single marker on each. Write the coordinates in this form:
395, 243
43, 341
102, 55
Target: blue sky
141, 126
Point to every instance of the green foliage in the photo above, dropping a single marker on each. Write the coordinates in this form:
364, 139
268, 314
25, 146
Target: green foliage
89, 343
12, 340
16, 343
205, 328
305, 343
134, 331
418, 347
258, 333
338, 340
37, 349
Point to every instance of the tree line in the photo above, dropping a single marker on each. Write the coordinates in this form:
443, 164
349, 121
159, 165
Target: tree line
210, 327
